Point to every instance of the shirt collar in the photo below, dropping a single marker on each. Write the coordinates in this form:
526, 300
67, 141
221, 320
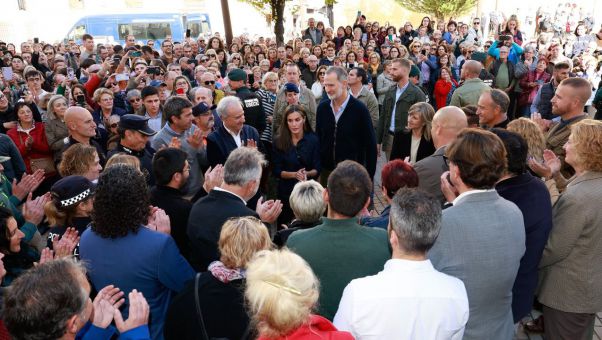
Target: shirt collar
230, 192
342, 106
232, 132
402, 89
407, 265
469, 192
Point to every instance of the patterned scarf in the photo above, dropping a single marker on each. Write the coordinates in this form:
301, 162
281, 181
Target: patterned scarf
225, 274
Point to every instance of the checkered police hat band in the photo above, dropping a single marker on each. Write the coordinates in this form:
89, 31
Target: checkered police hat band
76, 199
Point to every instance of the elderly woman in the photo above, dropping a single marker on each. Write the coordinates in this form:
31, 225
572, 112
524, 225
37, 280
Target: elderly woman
267, 96
55, 129
530, 84
415, 142
81, 160
124, 223
296, 155
395, 175
104, 97
308, 206
571, 292
219, 293
282, 291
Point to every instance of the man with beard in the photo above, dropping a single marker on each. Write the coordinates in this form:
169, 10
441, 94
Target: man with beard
344, 127
398, 101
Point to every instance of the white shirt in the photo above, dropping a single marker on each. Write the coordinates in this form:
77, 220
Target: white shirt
469, 192
407, 300
236, 137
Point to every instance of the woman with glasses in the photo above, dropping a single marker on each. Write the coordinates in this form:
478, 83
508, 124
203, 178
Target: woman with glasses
250, 60
317, 88
181, 87
236, 59
104, 98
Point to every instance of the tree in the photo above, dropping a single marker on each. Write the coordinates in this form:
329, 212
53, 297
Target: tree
273, 10
439, 9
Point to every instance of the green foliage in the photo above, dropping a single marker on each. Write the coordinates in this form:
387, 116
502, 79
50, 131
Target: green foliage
438, 8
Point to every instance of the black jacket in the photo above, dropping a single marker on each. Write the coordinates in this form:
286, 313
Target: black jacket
145, 156
178, 209
220, 143
222, 306
402, 144
251, 104
205, 224
351, 138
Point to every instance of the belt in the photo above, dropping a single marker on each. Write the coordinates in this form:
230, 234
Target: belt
391, 133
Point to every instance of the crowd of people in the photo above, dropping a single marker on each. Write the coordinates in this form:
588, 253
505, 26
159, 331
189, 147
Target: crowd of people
210, 189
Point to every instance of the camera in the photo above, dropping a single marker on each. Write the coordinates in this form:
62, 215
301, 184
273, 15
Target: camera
153, 70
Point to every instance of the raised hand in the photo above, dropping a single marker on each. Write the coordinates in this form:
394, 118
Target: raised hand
108, 300
213, 177
65, 245
175, 143
138, 316
159, 221
33, 210
268, 211
196, 139
448, 190
251, 144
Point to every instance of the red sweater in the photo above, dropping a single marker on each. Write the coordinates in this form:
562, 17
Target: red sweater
440, 93
39, 148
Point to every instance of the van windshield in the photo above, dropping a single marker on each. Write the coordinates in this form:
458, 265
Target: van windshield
145, 31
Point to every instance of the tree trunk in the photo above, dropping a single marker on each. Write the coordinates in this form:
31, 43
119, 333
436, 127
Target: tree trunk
330, 15
278, 14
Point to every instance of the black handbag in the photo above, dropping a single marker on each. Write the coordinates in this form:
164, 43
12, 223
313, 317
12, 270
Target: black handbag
200, 314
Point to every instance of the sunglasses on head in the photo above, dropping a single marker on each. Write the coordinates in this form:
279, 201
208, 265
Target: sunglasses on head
209, 82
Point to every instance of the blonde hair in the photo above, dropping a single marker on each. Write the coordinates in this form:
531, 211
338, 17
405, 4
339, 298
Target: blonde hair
587, 142
77, 160
532, 134
99, 92
240, 239
426, 112
281, 292
122, 158
307, 202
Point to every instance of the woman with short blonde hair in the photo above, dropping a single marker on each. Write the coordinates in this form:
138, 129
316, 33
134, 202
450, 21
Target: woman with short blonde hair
219, 292
282, 291
532, 134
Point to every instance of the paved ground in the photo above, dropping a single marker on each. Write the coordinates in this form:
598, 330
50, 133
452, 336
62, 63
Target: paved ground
380, 203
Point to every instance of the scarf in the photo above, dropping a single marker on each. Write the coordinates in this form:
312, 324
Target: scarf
225, 274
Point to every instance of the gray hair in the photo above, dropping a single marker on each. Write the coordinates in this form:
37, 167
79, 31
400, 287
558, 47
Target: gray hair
501, 99
133, 93
339, 71
225, 104
50, 110
416, 219
307, 202
243, 165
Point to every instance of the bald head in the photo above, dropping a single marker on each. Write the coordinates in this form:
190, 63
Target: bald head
447, 124
471, 69
80, 124
75, 113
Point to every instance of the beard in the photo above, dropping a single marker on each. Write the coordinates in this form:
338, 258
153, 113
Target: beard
396, 78
335, 96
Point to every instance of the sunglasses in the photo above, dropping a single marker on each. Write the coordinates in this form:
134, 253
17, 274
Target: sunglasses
321, 73
135, 100
476, 23
235, 58
210, 82
211, 55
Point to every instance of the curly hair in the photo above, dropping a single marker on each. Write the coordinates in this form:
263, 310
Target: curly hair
586, 137
122, 202
77, 160
532, 134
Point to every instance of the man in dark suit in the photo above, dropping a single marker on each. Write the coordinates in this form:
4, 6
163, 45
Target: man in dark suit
232, 134
312, 32
398, 100
447, 123
242, 173
344, 127
482, 237
171, 171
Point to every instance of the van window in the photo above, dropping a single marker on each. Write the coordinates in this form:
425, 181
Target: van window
144, 31
195, 29
77, 32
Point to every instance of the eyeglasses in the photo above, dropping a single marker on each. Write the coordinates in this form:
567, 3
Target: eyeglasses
107, 100
210, 82
476, 23
34, 79
49, 53
487, 46
135, 100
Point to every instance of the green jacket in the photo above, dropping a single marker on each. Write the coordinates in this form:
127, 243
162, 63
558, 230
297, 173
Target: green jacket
469, 93
9, 201
409, 97
339, 251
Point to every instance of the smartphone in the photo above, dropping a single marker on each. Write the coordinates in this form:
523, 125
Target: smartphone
80, 100
7, 72
136, 54
359, 13
117, 58
188, 33
70, 73
36, 40
423, 52
153, 70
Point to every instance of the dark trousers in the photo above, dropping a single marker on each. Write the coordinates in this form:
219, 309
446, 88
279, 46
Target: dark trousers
561, 325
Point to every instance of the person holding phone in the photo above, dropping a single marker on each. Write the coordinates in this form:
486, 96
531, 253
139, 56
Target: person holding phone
530, 85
